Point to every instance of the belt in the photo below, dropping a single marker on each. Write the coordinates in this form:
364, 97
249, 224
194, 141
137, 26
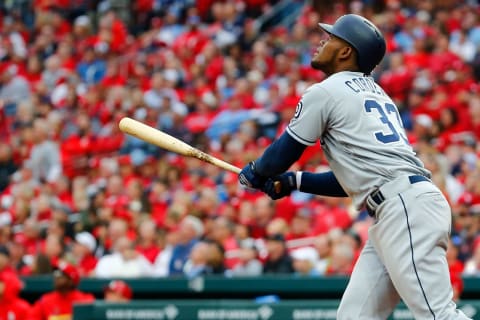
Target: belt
389, 190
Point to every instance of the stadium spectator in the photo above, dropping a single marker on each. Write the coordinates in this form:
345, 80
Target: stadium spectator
277, 226
82, 253
59, 302
118, 291
11, 305
147, 241
6, 269
216, 257
342, 259
190, 231
301, 224
44, 158
15, 88
305, 260
264, 211
161, 265
123, 262
54, 248
223, 233
40, 264
323, 245
278, 260
250, 264
197, 263
7, 165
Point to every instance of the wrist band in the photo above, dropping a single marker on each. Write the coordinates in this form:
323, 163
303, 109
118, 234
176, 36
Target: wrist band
298, 178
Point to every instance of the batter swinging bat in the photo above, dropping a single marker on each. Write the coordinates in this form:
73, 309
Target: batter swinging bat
163, 140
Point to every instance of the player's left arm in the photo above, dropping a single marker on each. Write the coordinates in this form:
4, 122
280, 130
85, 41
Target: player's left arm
324, 184
279, 156
276, 159
303, 130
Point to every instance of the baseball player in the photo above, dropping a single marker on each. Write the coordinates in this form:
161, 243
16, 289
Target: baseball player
371, 161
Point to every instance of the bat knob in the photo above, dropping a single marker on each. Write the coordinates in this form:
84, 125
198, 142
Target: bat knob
278, 186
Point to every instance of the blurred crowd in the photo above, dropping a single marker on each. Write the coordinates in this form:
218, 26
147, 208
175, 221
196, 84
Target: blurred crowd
217, 75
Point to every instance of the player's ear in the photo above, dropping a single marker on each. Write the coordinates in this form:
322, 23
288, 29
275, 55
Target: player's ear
347, 52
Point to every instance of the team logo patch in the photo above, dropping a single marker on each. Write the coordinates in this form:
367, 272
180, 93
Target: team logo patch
298, 109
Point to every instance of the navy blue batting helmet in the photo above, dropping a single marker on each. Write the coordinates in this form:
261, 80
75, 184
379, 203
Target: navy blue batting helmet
361, 34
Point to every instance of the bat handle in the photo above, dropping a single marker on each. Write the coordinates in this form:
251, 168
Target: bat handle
278, 186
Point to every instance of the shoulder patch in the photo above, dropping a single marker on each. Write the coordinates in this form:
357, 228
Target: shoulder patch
298, 109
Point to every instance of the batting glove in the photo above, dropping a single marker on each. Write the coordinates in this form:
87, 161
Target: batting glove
250, 178
281, 185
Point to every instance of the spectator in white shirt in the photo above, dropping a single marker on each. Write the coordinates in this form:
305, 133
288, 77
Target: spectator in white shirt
123, 262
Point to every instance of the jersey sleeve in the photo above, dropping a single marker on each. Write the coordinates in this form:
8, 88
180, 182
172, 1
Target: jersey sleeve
311, 116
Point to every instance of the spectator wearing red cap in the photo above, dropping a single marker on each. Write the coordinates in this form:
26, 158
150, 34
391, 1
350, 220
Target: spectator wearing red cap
58, 304
118, 291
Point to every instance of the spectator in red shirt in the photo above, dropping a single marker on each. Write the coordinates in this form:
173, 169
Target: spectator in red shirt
11, 306
58, 304
330, 213
54, 247
147, 240
29, 237
300, 225
223, 233
342, 259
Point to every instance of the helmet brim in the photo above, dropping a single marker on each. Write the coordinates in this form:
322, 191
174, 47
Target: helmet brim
326, 27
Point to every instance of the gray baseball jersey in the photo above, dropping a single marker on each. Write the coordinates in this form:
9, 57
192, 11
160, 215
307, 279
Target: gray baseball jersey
364, 141
360, 130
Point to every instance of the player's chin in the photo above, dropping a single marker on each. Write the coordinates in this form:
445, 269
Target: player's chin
315, 64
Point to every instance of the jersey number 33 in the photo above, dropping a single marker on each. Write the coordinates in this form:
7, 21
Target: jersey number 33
387, 113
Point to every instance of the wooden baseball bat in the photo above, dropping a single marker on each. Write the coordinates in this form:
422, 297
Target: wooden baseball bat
163, 140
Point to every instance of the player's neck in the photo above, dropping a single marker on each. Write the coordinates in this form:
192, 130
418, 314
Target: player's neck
347, 66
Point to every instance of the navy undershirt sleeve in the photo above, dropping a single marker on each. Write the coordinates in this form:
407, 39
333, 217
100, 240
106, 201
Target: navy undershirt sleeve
282, 153
279, 156
324, 184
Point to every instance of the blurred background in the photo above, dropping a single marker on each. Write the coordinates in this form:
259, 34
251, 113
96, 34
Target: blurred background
88, 212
